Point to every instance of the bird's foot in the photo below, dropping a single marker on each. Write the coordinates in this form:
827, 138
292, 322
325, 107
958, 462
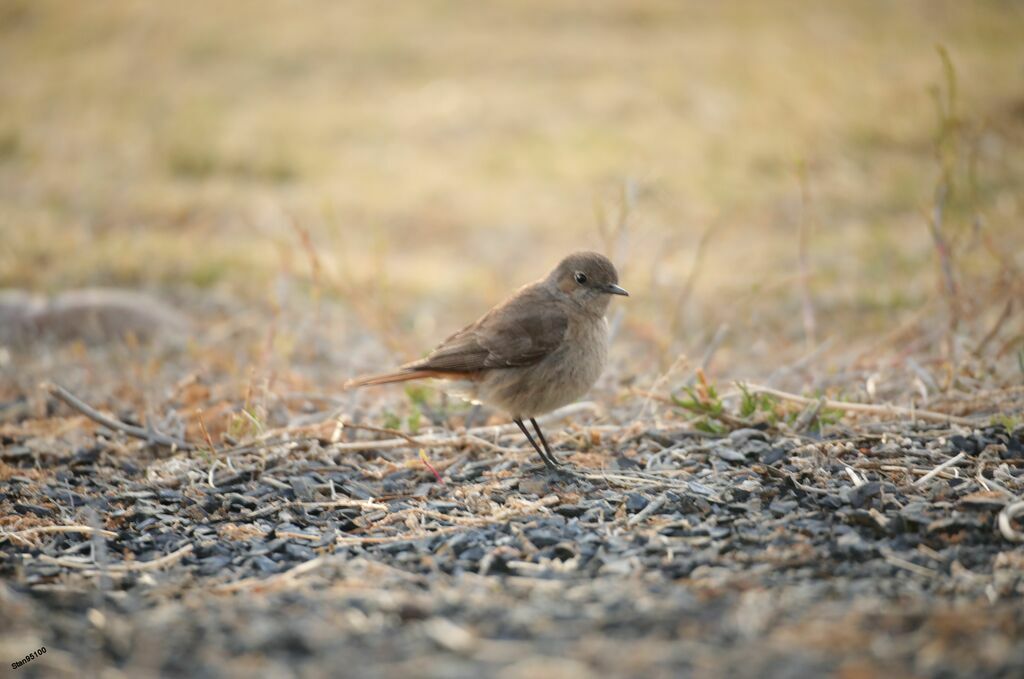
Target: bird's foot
563, 472
552, 474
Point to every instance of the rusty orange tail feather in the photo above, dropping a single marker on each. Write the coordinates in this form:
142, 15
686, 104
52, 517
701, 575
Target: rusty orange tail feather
401, 376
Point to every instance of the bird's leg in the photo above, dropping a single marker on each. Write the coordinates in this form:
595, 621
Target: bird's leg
472, 417
547, 448
550, 464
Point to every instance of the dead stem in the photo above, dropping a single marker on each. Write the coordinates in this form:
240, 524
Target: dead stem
149, 435
897, 411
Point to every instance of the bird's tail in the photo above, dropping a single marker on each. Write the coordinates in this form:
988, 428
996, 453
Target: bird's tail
400, 376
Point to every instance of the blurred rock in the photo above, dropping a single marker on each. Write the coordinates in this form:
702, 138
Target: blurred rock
93, 315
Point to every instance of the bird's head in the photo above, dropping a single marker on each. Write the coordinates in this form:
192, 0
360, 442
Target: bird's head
588, 279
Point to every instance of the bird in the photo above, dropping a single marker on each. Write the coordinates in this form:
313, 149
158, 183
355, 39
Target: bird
540, 349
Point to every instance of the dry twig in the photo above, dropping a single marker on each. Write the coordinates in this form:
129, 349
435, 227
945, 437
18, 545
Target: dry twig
912, 413
942, 467
85, 530
120, 568
148, 435
1009, 513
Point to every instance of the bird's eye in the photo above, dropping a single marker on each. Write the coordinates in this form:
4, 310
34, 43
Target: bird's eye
580, 277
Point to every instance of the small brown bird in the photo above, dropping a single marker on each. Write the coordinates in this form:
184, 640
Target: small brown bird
540, 349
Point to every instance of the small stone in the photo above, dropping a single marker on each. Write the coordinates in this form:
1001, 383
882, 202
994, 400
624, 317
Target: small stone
781, 508
24, 508
739, 436
533, 486
542, 537
302, 488
729, 455
617, 567
570, 511
635, 502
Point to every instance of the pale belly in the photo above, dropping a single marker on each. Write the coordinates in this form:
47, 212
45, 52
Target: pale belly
560, 378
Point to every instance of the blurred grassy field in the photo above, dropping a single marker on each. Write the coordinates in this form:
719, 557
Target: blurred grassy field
439, 154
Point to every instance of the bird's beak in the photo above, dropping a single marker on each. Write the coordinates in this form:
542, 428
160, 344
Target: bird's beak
613, 289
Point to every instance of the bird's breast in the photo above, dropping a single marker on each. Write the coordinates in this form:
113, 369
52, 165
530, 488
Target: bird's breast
586, 352
561, 377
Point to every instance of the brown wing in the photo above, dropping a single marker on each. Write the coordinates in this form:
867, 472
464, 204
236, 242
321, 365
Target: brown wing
519, 332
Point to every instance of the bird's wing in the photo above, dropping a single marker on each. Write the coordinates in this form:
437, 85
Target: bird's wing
519, 332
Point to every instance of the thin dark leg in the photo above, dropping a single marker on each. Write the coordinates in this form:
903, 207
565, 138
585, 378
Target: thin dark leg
547, 448
549, 463
473, 416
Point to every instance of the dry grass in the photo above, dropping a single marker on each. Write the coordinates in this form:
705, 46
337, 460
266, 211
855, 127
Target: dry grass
440, 154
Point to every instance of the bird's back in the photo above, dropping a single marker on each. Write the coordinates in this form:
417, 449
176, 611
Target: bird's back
519, 332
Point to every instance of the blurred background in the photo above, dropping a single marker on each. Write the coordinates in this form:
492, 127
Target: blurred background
347, 182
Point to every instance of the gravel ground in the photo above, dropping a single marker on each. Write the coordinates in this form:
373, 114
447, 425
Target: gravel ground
247, 533
666, 552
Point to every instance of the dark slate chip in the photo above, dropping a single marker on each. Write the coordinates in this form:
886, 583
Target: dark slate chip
87, 456
563, 551
24, 508
236, 501
213, 565
782, 508
663, 440
472, 555
739, 495
299, 552
960, 443
264, 565
205, 549
462, 541
774, 455
831, 501
860, 495
143, 508
542, 537
65, 496
700, 489
571, 510
168, 495
920, 508
358, 490
129, 468
635, 502
47, 570
623, 462
863, 517
302, 487
396, 547
424, 489
851, 544
471, 472
679, 567
273, 545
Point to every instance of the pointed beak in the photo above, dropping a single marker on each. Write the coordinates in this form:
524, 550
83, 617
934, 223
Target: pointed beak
613, 289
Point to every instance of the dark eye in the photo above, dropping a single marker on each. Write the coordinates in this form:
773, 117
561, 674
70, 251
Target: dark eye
580, 277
